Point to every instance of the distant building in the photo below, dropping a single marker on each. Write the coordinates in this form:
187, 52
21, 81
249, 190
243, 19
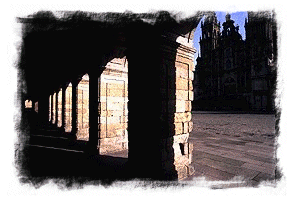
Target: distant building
236, 74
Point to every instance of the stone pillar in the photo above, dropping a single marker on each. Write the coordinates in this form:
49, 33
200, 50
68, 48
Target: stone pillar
59, 116
182, 117
33, 105
51, 108
151, 154
93, 110
74, 109
68, 108
160, 95
63, 107
43, 111
56, 109
83, 109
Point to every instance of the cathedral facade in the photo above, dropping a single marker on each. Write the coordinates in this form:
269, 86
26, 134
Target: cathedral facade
236, 74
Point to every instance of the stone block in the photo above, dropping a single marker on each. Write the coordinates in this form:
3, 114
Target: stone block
180, 106
192, 66
183, 138
178, 128
182, 171
188, 106
113, 120
191, 75
190, 126
191, 95
182, 117
182, 94
181, 59
103, 130
182, 72
181, 84
190, 85
185, 127
82, 134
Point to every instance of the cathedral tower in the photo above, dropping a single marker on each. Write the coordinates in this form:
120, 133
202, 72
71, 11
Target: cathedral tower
210, 34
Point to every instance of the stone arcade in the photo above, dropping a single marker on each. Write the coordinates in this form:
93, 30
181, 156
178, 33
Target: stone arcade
118, 81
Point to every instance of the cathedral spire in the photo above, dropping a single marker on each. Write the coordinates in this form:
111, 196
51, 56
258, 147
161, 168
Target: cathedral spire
228, 17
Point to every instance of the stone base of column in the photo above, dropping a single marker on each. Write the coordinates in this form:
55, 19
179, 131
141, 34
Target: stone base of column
183, 156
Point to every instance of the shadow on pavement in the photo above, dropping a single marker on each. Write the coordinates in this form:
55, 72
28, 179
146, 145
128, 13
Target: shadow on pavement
73, 167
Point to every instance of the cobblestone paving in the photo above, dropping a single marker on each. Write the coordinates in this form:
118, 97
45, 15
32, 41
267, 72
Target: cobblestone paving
229, 146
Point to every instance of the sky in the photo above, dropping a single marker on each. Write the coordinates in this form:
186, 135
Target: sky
238, 17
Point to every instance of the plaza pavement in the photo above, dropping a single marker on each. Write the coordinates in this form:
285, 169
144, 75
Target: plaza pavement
231, 147
225, 146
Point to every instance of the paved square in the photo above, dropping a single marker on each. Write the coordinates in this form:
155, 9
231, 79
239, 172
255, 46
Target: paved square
234, 145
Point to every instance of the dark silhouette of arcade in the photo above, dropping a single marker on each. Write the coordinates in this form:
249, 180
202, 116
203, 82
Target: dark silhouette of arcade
60, 48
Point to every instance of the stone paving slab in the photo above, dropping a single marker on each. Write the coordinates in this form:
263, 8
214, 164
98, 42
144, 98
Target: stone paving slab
224, 166
234, 145
212, 173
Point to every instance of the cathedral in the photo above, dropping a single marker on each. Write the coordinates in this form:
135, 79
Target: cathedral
236, 74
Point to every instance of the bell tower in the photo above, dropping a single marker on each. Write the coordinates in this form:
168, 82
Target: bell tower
210, 34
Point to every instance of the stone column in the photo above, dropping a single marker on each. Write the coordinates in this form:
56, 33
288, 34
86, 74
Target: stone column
59, 124
33, 105
68, 109
63, 107
151, 154
183, 124
56, 109
43, 111
160, 94
51, 110
74, 109
93, 110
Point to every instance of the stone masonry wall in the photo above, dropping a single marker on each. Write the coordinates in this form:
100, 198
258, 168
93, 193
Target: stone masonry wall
179, 103
183, 123
113, 106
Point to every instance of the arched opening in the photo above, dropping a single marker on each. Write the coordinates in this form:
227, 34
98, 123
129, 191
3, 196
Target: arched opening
113, 107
